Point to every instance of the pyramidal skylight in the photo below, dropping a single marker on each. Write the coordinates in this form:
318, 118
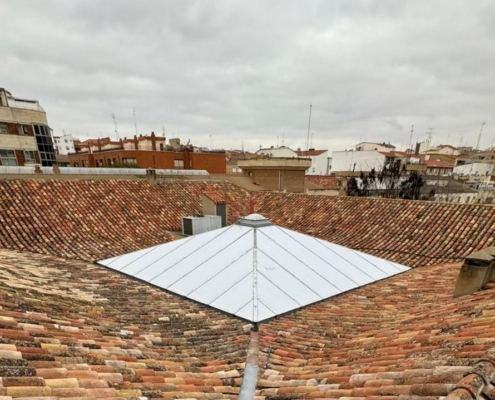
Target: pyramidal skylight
254, 269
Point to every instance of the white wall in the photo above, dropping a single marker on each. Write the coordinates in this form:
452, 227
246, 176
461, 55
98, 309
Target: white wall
319, 164
277, 152
364, 160
64, 144
481, 169
368, 146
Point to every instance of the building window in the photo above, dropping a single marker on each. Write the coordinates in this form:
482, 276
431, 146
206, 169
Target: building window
4, 129
179, 164
66, 141
8, 157
23, 129
84, 163
29, 156
130, 161
66, 147
76, 164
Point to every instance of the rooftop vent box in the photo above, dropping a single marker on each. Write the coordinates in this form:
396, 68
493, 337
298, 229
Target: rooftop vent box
195, 225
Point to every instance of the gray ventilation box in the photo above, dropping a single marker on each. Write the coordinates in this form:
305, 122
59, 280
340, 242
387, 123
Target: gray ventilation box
195, 225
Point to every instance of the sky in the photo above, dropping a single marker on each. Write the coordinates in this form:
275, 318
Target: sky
243, 74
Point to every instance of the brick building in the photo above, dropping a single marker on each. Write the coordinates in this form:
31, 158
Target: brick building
146, 152
24, 132
282, 174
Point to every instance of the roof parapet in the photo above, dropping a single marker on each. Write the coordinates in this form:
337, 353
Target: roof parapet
476, 272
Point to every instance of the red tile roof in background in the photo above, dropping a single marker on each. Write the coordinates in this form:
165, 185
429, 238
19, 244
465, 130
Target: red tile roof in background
93, 220
414, 233
438, 164
324, 181
215, 197
305, 153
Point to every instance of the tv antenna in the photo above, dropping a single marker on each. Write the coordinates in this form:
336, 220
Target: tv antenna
410, 142
479, 137
115, 125
135, 123
309, 126
430, 134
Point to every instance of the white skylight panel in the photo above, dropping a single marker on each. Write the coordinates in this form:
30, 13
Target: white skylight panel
304, 269
206, 259
254, 269
281, 276
238, 296
216, 274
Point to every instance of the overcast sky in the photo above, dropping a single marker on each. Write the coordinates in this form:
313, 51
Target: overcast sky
247, 71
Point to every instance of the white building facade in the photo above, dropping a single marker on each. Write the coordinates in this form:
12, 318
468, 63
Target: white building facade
477, 169
365, 161
369, 146
320, 162
277, 152
64, 144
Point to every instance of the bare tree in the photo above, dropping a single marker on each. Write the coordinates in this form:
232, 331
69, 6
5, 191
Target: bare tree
393, 181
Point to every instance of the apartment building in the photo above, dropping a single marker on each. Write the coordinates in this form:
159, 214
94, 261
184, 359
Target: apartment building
24, 132
146, 151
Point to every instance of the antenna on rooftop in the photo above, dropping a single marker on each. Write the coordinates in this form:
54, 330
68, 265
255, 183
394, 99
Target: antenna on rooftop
163, 131
135, 123
115, 125
311, 141
479, 137
430, 134
309, 126
283, 139
410, 144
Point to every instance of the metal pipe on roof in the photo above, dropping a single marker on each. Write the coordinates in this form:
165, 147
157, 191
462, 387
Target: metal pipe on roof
248, 386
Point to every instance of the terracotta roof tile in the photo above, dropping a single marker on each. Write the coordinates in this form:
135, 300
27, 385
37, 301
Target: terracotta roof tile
404, 349
65, 330
93, 220
324, 181
414, 233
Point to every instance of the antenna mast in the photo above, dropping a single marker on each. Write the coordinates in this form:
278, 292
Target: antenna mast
479, 137
135, 123
115, 125
410, 144
309, 126
430, 134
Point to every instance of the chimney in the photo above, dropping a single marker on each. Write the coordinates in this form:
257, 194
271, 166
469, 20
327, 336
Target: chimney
151, 176
475, 273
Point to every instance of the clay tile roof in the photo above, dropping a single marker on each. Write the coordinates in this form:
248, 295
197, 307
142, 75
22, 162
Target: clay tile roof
91, 220
215, 197
303, 153
413, 233
73, 329
438, 164
66, 330
324, 181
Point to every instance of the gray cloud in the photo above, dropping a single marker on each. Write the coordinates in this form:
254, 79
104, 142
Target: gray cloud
247, 71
